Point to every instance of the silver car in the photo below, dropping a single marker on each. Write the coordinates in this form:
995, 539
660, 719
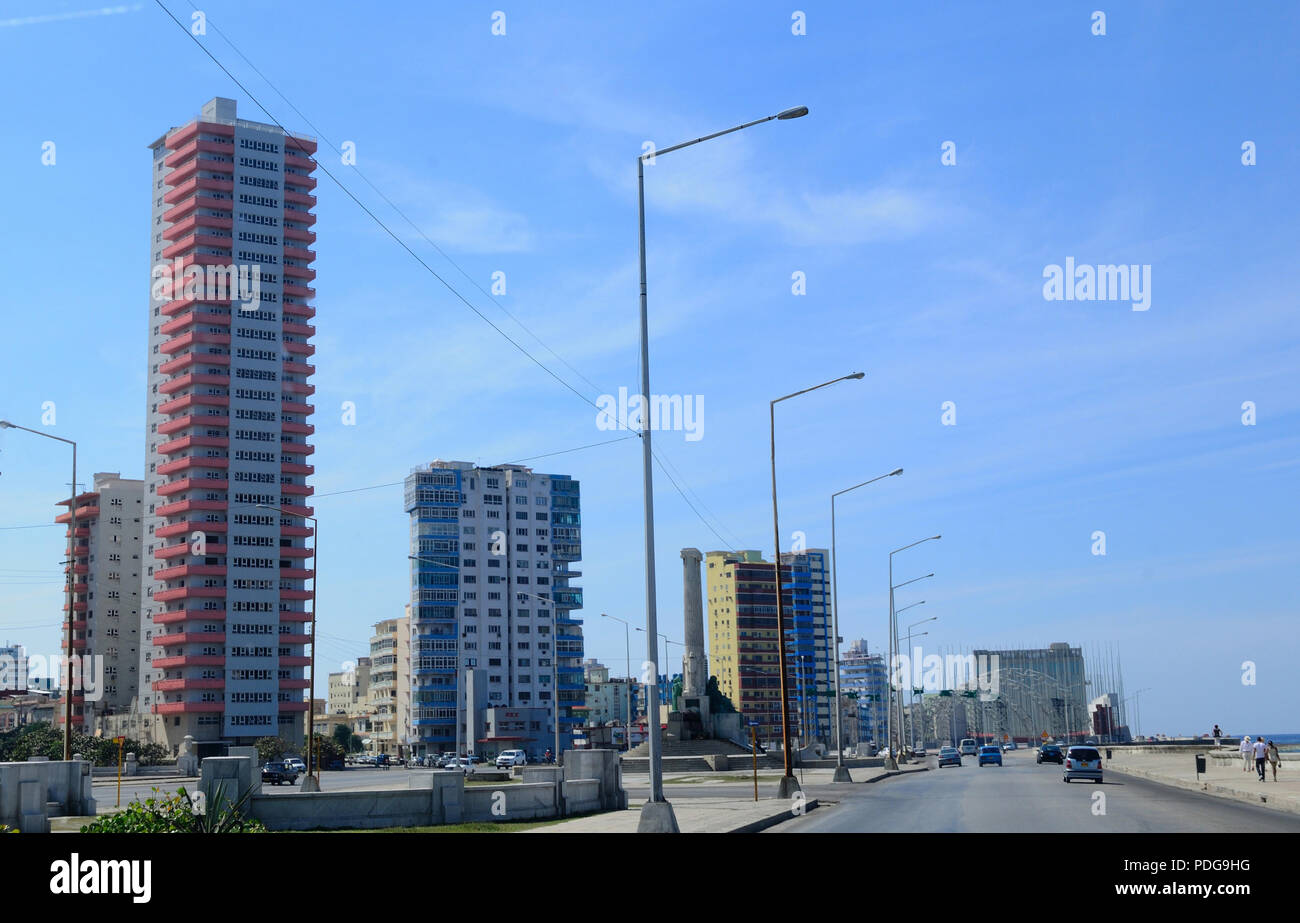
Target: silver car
1082, 763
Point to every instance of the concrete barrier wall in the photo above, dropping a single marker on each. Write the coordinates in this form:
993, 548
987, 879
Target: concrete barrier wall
30, 791
581, 796
431, 798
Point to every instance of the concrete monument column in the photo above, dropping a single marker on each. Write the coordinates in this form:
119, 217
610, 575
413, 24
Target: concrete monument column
695, 670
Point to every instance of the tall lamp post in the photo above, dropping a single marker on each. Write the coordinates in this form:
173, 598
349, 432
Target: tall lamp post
627, 650
841, 772
892, 761
789, 785
657, 814
72, 579
310, 783
911, 694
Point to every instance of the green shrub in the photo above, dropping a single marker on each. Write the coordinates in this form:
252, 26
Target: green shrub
180, 812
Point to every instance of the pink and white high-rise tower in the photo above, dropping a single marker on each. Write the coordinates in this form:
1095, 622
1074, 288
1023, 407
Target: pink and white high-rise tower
225, 618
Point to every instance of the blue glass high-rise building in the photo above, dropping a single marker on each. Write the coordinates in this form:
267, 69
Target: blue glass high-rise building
493, 550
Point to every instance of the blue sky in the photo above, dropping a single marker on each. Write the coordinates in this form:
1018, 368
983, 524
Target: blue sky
516, 154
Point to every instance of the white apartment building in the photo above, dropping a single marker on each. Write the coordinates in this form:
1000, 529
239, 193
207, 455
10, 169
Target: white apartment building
492, 550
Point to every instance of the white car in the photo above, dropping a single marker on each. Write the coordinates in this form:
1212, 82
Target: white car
919, 749
511, 758
968, 746
296, 765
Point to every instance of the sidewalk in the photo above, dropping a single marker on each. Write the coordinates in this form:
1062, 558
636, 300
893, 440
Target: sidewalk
694, 815
1223, 779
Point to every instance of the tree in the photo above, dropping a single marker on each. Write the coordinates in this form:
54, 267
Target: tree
269, 749
343, 736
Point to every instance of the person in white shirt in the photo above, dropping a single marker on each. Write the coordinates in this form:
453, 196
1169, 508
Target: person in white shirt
1261, 757
1247, 751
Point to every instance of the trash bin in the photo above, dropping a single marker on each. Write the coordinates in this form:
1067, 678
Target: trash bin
1108, 753
1200, 763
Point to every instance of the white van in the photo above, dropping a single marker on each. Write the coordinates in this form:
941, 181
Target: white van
968, 747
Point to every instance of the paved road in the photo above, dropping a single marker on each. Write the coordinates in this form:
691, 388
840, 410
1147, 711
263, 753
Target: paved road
1022, 796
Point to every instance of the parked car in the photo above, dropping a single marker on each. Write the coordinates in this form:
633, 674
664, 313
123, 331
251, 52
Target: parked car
1082, 763
949, 756
511, 758
1050, 753
919, 749
968, 746
276, 772
464, 764
991, 754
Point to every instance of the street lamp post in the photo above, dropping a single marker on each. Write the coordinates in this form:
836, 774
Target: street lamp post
72, 579
627, 651
657, 814
911, 689
841, 772
788, 785
891, 762
310, 784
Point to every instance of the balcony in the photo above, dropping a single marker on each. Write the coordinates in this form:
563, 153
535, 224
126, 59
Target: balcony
187, 401
192, 483
300, 234
188, 526
294, 661
189, 339
191, 570
296, 160
190, 169
302, 217
306, 330
182, 382
189, 637
299, 349
181, 136
194, 420
195, 221
187, 359
181, 708
193, 442
192, 147
196, 184
189, 660
300, 490
188, 592
189, 615
182, 209
181, 507
179, 685
187, 462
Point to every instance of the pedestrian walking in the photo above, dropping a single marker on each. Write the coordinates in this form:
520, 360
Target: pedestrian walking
1247, 750
1274, 758
1217, 735
1261, 756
